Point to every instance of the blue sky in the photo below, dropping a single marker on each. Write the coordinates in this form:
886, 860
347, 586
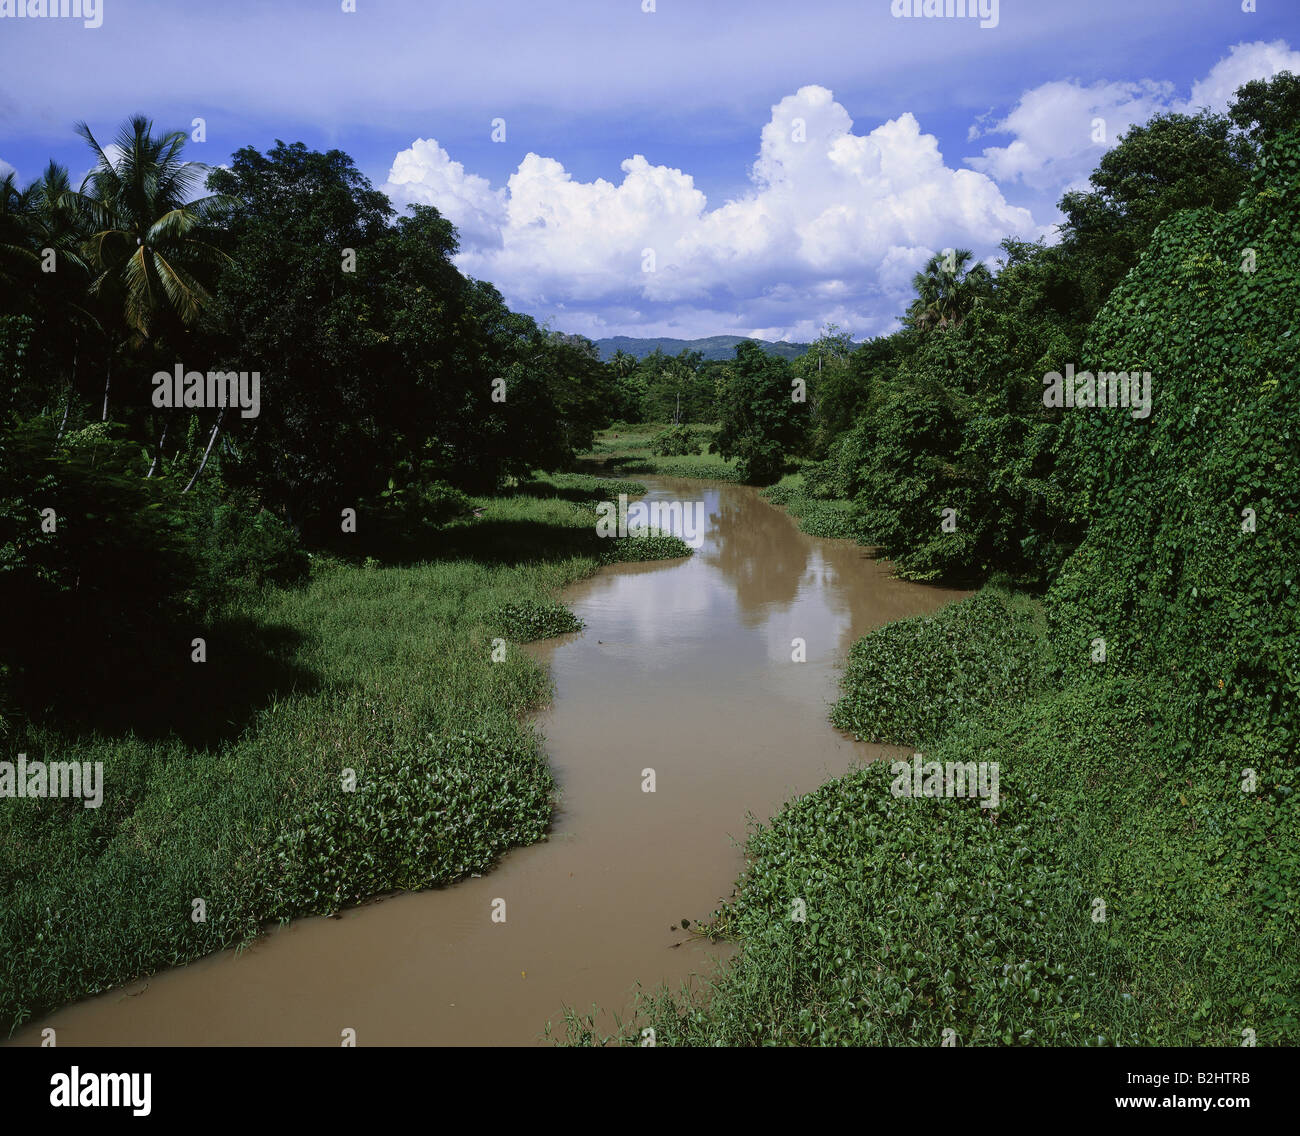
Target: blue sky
787, 164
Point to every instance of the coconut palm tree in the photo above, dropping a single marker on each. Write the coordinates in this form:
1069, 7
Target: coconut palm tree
56, 229
945, 292
16, 257
623, 363
146, 246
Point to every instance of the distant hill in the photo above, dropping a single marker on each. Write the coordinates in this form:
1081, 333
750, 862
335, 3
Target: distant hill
714, 347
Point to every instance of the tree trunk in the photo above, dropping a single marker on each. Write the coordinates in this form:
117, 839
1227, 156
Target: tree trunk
158, 452
72, 389
206, 452
108, 379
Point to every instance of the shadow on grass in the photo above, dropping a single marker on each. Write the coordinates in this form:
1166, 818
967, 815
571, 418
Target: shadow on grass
620, 466
486, 541
143, 680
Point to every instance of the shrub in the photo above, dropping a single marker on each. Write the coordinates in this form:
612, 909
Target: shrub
650, 545
239, 542
909, 681
528, 621
675, 442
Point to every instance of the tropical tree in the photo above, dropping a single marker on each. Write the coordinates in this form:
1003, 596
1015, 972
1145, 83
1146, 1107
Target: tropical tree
146, 245
623, 363
761, 422
946, 290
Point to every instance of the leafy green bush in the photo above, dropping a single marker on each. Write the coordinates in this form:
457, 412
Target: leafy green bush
650, 545
527, 621
440, 503
1177, 577
909, 681
830, 520
427, 814
238, 542
94, 563
676, 441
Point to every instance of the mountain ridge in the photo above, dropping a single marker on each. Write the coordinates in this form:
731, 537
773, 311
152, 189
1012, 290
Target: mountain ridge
711, 347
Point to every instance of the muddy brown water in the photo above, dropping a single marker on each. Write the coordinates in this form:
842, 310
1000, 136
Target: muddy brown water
685, 667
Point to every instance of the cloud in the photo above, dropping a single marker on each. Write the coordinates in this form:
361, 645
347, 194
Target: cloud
1244, 61
1056, 142
1061, 128
112, 151
832, 227
425, 174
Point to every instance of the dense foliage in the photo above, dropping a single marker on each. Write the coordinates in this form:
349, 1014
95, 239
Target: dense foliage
1138, 882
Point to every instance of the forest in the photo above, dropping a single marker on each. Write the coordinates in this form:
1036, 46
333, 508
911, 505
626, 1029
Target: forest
1132, 656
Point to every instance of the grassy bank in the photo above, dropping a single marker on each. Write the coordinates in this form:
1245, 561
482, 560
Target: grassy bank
1125, 891
239, 801
625, 451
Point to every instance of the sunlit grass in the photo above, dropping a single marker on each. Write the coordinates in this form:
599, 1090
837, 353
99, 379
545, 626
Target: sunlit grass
392, 676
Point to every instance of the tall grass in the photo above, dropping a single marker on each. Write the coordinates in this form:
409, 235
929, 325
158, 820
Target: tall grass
384, 671
1125, 891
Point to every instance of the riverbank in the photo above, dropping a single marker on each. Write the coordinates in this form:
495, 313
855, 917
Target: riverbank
625, 452
384, 671
681, 709
1125, 889
1136, 882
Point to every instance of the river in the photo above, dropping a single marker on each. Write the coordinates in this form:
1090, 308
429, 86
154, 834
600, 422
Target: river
685, 668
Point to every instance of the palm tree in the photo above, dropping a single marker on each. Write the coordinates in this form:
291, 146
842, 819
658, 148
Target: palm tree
944, 296
145, 245
16, 257
56, 226
41, 234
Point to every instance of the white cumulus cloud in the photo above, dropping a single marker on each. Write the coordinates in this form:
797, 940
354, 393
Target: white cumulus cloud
832, 228
1056, 142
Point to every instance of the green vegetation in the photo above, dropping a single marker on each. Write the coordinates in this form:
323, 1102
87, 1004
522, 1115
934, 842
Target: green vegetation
906, 681
759, 415
341, 562
830, 519
236, 796
675, 442
625, 449
1138, 882
526, 622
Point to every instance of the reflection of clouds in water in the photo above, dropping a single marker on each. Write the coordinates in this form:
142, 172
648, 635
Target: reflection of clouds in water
756, 584
817, 615
653, 604
759, 551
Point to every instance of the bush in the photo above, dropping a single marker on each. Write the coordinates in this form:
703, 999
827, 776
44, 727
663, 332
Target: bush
909, 681
239, 542
423, 815
1171, 575
440, 503
675, 442
526, 622
649, 545
88, 597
